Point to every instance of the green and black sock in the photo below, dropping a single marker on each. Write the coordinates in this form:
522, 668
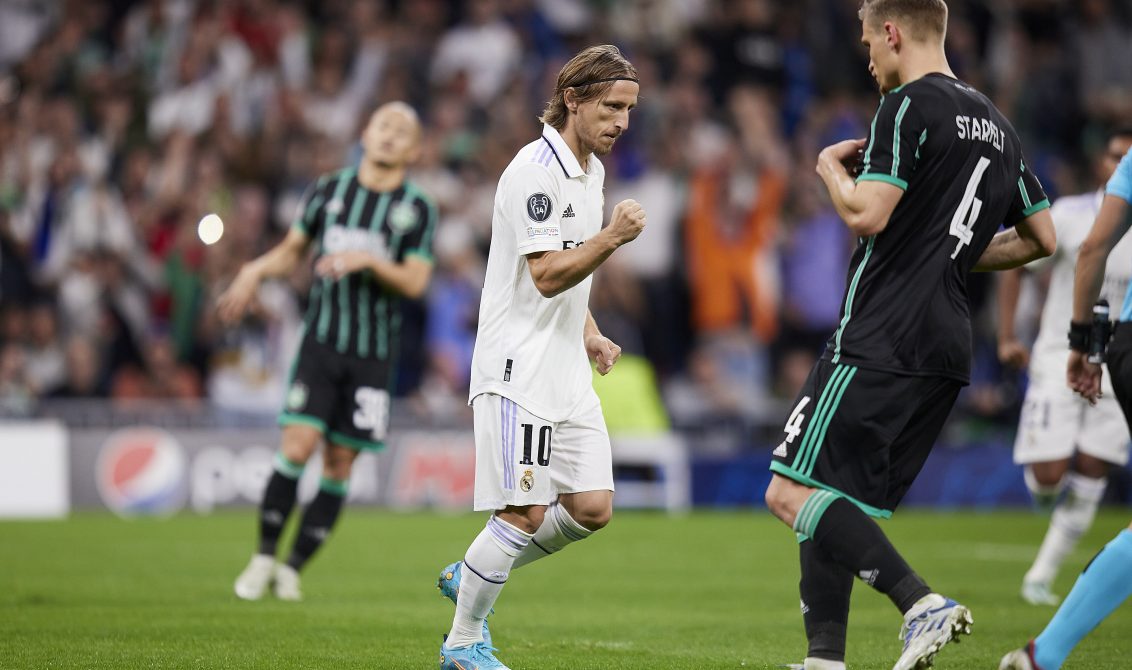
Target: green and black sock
854, 540
825, 589
278, 501
318, 520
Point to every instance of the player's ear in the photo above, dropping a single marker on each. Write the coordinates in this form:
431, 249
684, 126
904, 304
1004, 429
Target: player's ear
570, 99
892, 35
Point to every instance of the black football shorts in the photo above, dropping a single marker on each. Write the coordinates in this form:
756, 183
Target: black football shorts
862, 433
346, 397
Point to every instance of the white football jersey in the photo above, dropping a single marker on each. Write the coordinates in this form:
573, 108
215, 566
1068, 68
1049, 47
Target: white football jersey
1073, 216
529, 348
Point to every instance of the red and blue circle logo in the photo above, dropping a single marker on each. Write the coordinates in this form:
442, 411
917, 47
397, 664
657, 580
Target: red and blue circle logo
142, 471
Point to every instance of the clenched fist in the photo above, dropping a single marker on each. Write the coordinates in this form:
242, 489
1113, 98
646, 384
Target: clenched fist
627, 222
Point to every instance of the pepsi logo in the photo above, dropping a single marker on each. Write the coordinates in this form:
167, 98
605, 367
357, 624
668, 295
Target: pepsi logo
142, 471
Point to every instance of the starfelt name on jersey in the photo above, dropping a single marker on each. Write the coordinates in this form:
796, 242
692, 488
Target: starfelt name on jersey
984, 130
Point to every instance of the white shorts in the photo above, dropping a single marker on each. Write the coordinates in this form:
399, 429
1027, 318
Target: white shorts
1056, 422
524, 460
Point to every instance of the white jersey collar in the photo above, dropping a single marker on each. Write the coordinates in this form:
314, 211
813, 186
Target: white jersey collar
566, 160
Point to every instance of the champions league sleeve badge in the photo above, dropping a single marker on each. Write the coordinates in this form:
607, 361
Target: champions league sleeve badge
538, 207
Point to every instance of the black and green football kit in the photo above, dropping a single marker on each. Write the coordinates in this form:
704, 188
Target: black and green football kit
343, 374
867, 417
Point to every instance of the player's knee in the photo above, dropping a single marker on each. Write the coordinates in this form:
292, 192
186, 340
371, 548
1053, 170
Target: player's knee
1043, 476
526, 519
594, 517
338, 462
1044, 484
339, 470
299, 443
1091, 467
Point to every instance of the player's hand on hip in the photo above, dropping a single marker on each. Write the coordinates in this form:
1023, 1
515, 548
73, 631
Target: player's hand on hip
1013, 353
627, 221
233, 303
604, 353
1084, 377
340, 264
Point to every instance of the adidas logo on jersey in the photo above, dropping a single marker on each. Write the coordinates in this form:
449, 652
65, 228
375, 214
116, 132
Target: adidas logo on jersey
780, 450
569, 211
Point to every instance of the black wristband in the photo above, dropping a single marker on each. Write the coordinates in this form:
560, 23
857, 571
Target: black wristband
1080, 336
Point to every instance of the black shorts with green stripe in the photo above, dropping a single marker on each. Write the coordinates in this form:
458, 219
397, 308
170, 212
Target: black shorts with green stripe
344, 396
863, 434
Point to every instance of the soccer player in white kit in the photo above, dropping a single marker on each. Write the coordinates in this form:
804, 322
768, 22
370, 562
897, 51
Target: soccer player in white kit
543, 463
1065, 443
1106, 581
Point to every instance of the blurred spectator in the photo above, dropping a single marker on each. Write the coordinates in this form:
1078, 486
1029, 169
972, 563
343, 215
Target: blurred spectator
732, 219
816, 249
1102, 49
82, 371
16, 393
159, 376
479, 55
44, 362
453, 310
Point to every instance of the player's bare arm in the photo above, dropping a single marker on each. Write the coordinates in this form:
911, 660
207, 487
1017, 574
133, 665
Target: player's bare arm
865, 206
1011, 351
409, 278
1113, 221
1030, 239
280, 261
556, 271
603, 351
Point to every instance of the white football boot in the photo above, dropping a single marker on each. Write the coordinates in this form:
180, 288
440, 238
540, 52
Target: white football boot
931, 623
253, 581
287, 585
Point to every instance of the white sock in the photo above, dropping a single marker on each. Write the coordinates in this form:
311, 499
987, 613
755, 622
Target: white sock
1071, 518
486, 566
558, 529
1044, 496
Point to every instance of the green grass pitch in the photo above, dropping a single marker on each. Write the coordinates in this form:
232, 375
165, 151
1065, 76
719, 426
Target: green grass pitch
707, 590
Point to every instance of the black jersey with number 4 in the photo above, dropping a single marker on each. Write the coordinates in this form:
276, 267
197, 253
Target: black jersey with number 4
960, 165
356, 314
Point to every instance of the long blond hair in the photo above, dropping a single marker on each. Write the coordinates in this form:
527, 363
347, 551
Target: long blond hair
591, 74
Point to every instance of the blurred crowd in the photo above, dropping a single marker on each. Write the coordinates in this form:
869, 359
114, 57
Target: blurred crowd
123, 123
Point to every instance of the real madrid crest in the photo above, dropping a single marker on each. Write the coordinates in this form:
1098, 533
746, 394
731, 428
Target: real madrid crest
527, 482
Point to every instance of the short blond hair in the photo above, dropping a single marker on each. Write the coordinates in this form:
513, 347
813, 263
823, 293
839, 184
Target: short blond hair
591, 74
924, 20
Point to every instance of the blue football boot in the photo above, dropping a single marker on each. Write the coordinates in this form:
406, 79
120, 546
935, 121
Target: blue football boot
479, 656
449, 585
